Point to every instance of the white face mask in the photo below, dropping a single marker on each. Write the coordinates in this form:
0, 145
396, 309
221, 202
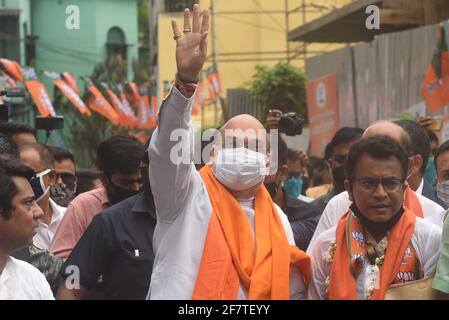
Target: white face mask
443, 191
38, 185
239, 168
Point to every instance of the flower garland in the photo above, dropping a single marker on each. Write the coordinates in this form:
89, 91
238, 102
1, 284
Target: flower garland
383, 244
330, 258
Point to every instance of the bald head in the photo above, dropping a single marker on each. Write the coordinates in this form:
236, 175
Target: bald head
387, 128
243, 122
243, 129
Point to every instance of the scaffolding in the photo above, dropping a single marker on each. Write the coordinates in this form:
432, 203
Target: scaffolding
294, 51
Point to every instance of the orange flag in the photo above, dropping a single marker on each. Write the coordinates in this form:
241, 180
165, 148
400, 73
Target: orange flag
118, 107
142, 118
70, 80
151, 118
73, 96
435, 88
130, 112
40, 97
11, 82
13, 68
99, 104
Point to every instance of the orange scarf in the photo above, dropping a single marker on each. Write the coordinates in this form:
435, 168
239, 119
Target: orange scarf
399, 259
411, 201
229, 257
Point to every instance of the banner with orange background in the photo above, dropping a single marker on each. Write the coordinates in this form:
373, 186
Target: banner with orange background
323, 111
68, 92
38, 93
13, 69
97, 102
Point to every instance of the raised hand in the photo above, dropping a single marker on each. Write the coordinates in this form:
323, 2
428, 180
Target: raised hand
191, 44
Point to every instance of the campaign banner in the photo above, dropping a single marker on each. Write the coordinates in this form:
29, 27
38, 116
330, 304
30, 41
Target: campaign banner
40, 97
323, 111
13, 69
73, 97
99, 104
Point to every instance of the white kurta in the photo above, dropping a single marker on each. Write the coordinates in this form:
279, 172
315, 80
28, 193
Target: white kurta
184, 209
426, 240
19, 280
340, 204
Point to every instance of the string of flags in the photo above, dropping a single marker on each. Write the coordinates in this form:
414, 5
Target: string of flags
128, 105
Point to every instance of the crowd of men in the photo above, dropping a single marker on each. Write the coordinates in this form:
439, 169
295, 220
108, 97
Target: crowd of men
146, 224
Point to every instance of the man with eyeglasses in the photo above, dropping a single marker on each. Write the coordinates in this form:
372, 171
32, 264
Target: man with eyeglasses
64, 190
420, 205
378, 241
19, 214
40, 159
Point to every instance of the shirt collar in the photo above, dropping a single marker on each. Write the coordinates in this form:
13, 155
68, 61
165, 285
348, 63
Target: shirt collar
141, 205
58, 211
421, 186
4, 276
102, 195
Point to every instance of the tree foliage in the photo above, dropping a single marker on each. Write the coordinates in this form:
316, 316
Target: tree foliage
281, 87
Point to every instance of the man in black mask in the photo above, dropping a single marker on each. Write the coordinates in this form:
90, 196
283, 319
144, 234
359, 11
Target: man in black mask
337, 152
118, 245
303, 216
119, 159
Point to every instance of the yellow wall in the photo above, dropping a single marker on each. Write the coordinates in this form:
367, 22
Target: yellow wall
262, 32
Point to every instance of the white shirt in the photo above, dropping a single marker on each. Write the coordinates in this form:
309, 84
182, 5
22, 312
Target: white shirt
426, 240
184, 209
19, 280
45, 233
340, 204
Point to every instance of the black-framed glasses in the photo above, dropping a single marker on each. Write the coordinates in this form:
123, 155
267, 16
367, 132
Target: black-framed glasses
67, 178
391, 184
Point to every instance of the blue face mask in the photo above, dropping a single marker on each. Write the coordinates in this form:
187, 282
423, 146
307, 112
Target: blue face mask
293, 187
430, 174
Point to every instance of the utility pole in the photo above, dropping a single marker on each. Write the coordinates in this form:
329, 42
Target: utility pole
287, 29
214, 53
154, 7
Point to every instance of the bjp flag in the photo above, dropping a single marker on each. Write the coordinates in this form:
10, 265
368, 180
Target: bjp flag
40, 97
435, 88
142, 116
118, 107
152, 122
70, 80
11, 82
131, 115
215, 81
13, 69
99, 104
73, 97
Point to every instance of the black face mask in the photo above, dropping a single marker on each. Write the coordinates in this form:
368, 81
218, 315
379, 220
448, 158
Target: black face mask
339, 179
377, 228
62, 194
116, 193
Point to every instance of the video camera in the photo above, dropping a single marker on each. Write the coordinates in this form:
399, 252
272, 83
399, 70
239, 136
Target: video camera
289, 123
10, 93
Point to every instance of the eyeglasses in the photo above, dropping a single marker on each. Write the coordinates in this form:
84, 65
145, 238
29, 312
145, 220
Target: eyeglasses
67, 178
390, 185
